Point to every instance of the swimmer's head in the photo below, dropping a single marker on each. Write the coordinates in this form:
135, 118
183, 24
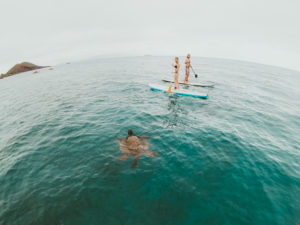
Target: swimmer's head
130, 132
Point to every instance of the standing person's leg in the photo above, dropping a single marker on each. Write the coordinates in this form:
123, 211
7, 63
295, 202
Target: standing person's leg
176, 81
187, 73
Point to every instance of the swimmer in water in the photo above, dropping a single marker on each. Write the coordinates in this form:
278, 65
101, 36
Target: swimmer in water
133, 145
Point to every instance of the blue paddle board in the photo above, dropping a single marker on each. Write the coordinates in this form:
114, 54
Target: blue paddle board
162, 88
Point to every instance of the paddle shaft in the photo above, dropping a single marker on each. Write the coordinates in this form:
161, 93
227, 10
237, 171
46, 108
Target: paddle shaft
196, 75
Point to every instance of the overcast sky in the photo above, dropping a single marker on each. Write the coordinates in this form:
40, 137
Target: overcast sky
57, 31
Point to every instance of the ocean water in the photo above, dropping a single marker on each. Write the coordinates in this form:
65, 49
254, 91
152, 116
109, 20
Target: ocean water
233, 158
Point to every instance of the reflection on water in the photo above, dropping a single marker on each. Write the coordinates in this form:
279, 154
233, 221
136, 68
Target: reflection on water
176, 112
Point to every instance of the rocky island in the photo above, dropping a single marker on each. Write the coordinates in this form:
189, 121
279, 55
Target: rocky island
20, 68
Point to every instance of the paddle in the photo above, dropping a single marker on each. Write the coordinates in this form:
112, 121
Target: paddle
196, 75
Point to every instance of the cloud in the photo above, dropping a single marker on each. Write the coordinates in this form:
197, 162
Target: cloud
50, 32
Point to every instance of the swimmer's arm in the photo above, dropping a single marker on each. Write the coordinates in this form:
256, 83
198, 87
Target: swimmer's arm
121, 139
123, 157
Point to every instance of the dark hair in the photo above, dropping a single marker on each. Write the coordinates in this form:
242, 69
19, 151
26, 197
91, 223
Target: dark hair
130, 132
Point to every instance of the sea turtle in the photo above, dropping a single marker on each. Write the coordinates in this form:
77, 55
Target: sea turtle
133, 145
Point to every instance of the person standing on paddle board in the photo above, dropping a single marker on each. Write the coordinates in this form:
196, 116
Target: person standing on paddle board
187, 68
176, 66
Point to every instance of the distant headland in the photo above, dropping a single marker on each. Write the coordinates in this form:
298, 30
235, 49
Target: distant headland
20, 68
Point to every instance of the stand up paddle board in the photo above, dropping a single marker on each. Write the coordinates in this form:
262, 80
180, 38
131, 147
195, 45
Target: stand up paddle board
162, 88
193, 84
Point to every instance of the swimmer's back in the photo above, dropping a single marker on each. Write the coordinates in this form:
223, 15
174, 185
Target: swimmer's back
133, 142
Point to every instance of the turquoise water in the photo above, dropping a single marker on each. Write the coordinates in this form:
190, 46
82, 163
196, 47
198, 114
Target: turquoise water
230, 159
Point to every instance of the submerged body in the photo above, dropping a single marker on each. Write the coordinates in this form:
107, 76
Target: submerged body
133, 145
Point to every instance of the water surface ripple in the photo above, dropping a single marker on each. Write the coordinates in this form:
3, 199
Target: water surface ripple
230, 159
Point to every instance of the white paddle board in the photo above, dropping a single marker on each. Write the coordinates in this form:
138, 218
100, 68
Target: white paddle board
190, 83
162, 88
